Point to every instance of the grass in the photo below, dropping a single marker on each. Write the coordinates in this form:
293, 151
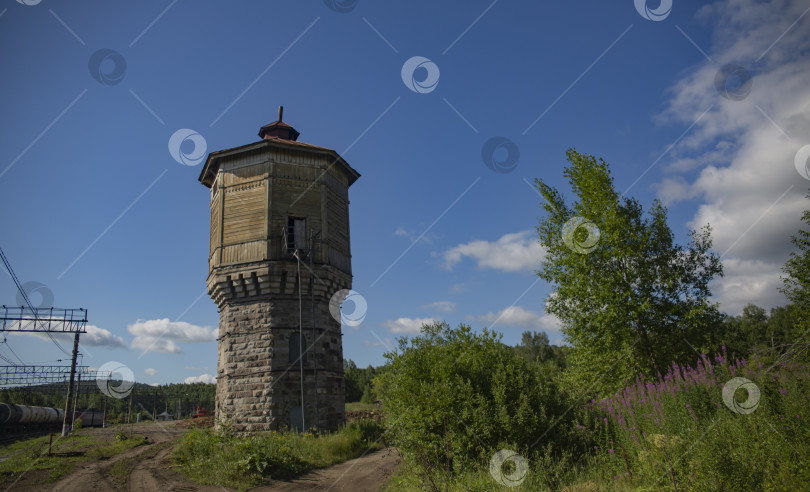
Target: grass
32, 454
221, 458
119, 472
357, 406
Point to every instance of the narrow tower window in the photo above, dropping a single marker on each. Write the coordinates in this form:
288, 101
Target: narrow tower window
295, 348
296, 233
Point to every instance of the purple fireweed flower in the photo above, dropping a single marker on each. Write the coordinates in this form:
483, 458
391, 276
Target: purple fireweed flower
783, 391
610, 451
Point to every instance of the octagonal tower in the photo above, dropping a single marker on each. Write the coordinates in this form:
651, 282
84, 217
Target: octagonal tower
279, 251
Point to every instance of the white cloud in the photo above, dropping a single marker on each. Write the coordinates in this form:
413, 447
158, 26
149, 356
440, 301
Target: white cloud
747, 184
202, 378
150, 371
675, 189
99, 337
442, 306
386, 342
524, 318
510, 253
748, 282
406, 325
413, 236
161, 335
95, 337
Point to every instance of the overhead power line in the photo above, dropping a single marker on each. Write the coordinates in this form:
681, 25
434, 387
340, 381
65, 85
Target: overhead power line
26, 299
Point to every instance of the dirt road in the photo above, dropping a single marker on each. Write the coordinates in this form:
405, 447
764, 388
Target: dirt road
366, 473
149, 462
147, 468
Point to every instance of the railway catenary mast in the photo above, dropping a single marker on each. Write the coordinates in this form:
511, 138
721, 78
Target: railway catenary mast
279, 250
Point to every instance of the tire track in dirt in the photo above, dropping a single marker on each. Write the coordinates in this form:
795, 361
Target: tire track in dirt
363, 474
93, 476
152, 471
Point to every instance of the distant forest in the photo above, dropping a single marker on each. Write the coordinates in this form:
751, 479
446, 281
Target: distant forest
143, 399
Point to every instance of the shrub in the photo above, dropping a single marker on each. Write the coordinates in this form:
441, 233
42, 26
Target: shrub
453, 398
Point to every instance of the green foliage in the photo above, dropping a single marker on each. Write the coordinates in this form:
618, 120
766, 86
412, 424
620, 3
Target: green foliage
678, 434
453, 398
797, 282
755, 332
534, 347
368, 396
359, 383
632, 303
223, 458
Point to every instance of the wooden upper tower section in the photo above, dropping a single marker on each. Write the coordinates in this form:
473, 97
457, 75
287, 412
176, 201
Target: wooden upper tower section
277, 195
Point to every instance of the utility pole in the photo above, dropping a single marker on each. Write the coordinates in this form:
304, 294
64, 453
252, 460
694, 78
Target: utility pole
68, 412
129, 411
76, 401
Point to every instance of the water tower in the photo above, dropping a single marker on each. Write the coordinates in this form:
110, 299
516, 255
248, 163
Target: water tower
279, 251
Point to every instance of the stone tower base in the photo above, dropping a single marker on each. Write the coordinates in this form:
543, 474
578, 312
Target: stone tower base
259, 378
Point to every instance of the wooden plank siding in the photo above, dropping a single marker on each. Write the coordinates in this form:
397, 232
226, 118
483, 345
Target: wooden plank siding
255, 194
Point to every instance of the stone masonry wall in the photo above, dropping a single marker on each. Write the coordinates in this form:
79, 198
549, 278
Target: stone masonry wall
258, 385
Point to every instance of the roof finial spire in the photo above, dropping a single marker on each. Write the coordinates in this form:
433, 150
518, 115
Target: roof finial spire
278, 129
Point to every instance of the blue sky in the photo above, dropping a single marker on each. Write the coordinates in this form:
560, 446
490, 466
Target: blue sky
97, 210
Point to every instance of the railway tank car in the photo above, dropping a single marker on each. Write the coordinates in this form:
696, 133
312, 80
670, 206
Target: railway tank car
12, 415
90, 418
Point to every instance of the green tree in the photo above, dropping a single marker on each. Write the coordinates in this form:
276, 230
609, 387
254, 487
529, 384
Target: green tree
782, 327
359, 382
755, 332
534, 346
746, 334
797, 282
631, 300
